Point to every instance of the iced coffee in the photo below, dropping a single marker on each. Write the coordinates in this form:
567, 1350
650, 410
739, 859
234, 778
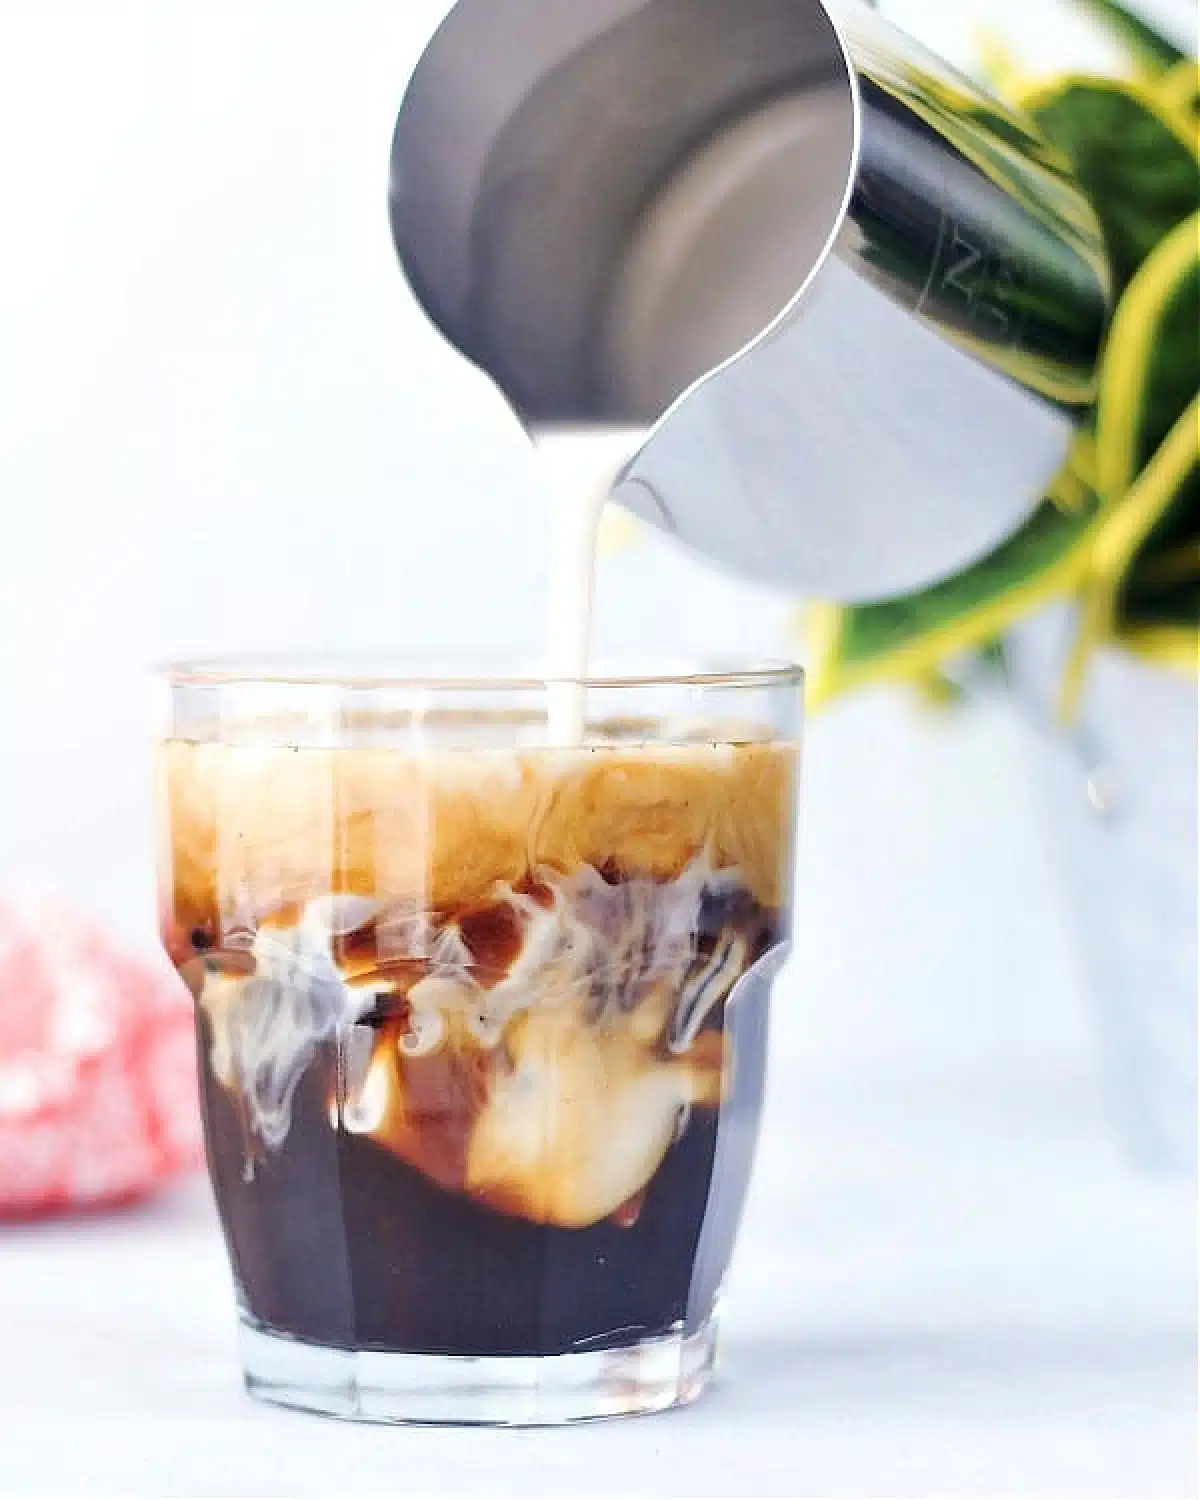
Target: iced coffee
482, 1029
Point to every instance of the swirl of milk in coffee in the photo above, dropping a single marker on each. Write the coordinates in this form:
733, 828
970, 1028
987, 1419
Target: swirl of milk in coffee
562, 1082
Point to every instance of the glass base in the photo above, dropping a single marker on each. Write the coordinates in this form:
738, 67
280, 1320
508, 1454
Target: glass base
433, 1389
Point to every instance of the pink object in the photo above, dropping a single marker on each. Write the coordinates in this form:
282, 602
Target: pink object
98, 1092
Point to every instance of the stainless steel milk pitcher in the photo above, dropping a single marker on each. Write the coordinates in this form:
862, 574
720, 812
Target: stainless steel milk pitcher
847, 307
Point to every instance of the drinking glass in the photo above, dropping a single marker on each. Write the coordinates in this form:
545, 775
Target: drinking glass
482, 1021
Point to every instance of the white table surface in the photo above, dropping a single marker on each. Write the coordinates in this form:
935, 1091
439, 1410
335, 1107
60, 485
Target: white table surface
950, 1284
995, 1324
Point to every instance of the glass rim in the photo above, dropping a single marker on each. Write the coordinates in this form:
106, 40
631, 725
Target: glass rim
236, 672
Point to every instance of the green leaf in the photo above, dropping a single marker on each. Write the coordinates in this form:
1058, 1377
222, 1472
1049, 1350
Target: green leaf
1177, 606
1143, 42
1180, 525
877, 629
1152, 596
1174, 374
1139, 174
1166, 379
916, 633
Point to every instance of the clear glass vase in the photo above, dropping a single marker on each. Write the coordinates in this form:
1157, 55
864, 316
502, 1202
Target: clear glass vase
1119, 798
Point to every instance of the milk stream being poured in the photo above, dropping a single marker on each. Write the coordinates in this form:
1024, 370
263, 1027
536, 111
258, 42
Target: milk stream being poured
582, 466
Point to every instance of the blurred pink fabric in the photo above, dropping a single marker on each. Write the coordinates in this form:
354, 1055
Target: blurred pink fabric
98, 1091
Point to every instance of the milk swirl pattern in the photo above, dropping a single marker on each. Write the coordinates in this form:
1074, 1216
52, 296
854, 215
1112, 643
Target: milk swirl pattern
605, 1005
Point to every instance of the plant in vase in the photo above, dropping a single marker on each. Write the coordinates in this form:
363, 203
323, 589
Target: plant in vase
1090, 615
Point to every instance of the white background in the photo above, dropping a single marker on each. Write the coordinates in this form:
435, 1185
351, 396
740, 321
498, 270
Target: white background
224, 425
